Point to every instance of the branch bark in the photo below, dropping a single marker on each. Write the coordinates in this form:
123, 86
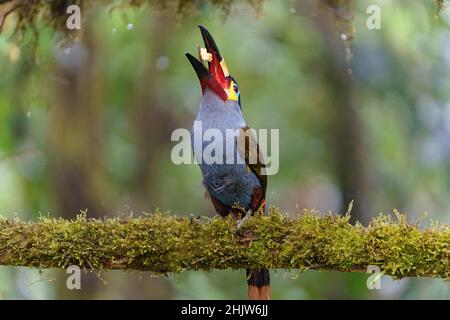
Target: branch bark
162, 243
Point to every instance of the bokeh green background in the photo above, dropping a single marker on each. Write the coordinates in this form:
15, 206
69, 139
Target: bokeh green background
87, 126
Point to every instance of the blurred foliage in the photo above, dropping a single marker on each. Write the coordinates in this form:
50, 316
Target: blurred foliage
85, 123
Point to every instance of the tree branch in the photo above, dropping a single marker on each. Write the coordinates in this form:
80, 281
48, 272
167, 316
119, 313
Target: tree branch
163, 243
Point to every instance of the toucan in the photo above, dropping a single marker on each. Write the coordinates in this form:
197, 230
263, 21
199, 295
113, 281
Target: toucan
235, 187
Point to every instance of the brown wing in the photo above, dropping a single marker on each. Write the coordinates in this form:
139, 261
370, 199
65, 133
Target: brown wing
249, 150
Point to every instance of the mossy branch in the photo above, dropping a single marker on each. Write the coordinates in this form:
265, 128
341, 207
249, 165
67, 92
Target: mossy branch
162, 243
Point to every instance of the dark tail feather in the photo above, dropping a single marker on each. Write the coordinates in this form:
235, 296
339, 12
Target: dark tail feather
258, 284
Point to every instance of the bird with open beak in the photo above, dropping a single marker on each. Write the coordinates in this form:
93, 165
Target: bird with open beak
237, 188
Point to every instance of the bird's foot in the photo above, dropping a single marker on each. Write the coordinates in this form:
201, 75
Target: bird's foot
193, 219
240, 222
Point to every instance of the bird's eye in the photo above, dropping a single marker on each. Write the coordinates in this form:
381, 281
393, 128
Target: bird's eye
236, 89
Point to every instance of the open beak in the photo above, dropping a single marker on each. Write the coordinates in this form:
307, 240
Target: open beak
216, 76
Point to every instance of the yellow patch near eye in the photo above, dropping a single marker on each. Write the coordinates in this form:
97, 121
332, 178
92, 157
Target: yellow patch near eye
232, 95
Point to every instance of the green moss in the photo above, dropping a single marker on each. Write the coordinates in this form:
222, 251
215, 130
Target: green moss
162, 243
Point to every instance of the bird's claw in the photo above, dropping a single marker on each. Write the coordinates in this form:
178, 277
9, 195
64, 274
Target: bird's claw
193, 219
240, 222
